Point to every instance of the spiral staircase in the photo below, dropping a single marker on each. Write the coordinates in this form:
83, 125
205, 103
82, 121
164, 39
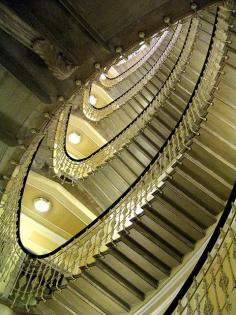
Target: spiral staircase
163, 183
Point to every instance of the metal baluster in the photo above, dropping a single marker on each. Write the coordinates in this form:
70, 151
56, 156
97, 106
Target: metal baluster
224, 281
208, 306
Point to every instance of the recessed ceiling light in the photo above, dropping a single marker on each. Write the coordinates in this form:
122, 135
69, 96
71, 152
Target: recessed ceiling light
103, 76
74, 137
42, 204
92, 100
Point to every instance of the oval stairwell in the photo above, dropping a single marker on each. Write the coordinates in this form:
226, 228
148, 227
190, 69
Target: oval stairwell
164, 184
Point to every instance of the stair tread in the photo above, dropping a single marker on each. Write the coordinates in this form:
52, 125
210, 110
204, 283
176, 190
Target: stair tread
133, 266
154, 216
157, 240
145, 253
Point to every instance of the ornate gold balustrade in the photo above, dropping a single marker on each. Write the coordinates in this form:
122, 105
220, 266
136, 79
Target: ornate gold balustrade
136, 53
76, 169
119, 215
212, 289
96, 114
12, 257
142, 58
34, 278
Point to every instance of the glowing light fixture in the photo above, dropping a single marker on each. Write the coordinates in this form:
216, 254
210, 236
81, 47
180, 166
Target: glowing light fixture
74, 137
143, 47
42, 204
103, 76
92, 100
142, 43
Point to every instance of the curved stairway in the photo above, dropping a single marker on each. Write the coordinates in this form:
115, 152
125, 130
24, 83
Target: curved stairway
132, 70
75, 169
144, 87
137, 243
190, 195
113, 178
155, 121
166, 230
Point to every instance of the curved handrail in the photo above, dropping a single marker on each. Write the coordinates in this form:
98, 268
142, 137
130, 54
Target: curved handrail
124, 62
79, 168
111, 81
205, 255
198, 101
67, 259
98, 113
134, 85
179, 137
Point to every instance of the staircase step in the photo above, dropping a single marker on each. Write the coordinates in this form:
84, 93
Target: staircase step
118, 278
151, 136
131, 262
227, 118
166, 251
139, 153
131, 161
184, 222
223, 134
137, 238
123, 169
154, 221
160, 139
60, 306
132, 272
106, 185
100, 197
110, 280
70, 301
201, 194
142, 257
82, 301
103, 297
130, 112
217, 143
188, 206
43, 309
228, 97
118, 181
166, 119
146, 144
213, 160
161, 126
203, 174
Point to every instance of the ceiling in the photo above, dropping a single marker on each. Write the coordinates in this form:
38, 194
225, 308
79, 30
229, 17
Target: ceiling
45, 48
42, 232
49, 44
91, 140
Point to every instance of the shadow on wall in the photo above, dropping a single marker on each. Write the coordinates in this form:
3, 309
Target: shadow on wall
5, 310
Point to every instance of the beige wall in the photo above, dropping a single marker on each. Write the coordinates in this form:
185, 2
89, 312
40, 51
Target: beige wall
233, 301
4, 310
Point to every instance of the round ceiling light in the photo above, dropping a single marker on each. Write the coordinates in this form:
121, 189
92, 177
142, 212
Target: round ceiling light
103, 76
42, 204
74, 137
92, 100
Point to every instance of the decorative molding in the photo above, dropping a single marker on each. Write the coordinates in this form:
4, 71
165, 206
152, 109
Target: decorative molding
16, 27
77, 208
60, 67
56, 62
